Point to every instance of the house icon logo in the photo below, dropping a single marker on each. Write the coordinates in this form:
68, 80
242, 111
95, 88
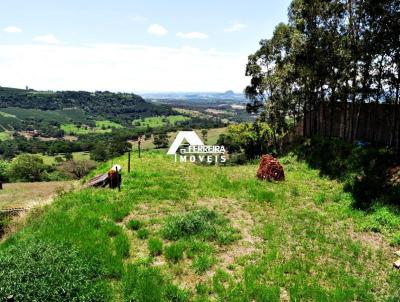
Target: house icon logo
190, 136
196, 151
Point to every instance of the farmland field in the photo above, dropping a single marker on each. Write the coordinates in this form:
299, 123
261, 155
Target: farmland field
182, 232
20, 195
159, 121
51, 159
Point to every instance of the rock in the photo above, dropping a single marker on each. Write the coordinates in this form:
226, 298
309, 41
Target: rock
270, 169
397, 264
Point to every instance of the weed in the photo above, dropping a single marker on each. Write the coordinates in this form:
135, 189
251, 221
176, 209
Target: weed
155, 246
174, 294
190, 224
203, 263
143, 233
174, 252
122, 245
142, 283
203, 224
134, 224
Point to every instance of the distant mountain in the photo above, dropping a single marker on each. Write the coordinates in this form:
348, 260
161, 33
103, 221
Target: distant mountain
219, 97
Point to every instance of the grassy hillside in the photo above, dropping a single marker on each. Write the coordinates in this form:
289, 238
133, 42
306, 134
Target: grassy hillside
182, 232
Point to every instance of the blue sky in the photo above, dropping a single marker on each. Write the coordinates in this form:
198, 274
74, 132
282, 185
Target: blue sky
137, 46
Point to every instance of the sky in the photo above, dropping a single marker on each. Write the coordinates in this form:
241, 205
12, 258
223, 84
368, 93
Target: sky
131, 45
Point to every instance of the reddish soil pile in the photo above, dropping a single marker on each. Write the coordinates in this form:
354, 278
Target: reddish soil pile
270, 169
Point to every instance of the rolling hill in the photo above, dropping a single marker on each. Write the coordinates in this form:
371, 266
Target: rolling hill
183, 232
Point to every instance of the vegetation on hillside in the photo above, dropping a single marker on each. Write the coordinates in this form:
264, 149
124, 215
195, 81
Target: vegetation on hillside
211, 233
329, 51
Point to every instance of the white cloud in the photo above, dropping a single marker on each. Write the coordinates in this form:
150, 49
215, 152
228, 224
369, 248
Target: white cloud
235, 27
12, 30
192, 35
157, 29
123, 67
49, 39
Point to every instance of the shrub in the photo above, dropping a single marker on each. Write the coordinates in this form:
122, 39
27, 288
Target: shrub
155, 246
203, 224
77, 169
134, 224
27, 167
143, 233
192, 223
174, 252
44, 271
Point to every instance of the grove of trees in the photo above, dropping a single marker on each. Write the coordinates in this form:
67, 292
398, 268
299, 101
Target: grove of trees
335, 51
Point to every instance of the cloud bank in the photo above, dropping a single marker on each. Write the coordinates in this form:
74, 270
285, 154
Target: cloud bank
120, 67
12, 30
192, 35
157, 29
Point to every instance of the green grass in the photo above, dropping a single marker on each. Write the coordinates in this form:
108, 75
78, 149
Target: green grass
107, 124
143, 233
51, 159
174, 252
300, 238
155, 246
101, 127
159, 121
134, 224
4, 136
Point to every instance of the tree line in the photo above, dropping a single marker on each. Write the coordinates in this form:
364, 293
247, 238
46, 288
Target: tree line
336, 51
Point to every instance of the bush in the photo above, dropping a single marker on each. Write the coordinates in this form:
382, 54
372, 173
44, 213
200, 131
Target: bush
3, 170
27, 167
203, 224
174, 252
134, 224
76, 169
143, 233
155, 246
189, 224
42, 271
364, 170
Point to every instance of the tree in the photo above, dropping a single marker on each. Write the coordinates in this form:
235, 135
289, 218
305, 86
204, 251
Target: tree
27, 168
161, 140
253, 138
204, 133
337, 51
77, 169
